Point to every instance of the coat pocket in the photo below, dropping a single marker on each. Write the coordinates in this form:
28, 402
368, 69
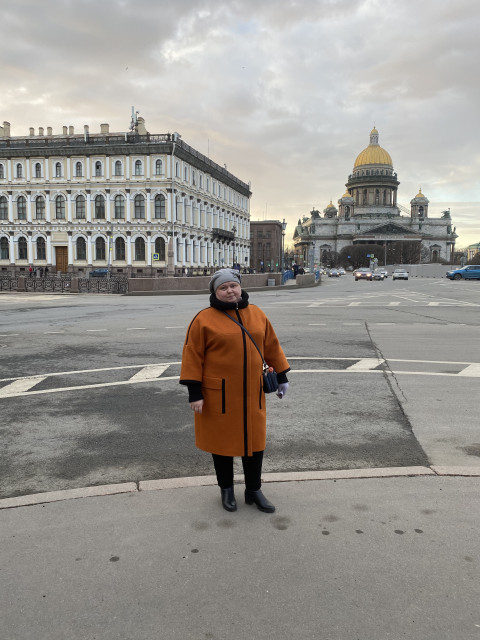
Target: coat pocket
215, 384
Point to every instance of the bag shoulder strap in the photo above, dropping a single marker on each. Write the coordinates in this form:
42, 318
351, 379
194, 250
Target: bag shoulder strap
248, 334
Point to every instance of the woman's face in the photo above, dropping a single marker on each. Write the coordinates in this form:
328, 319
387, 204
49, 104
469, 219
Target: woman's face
229, 292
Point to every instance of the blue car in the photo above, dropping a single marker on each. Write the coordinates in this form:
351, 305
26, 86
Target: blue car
470, 272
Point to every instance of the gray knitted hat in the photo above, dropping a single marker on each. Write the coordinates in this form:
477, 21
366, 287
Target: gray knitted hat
224, 275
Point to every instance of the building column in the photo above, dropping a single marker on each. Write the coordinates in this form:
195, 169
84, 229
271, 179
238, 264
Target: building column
148, 249
49, 249
147, 207
128, 209
89, 250
89, 208
11, 244
30, 258
129, 249
70, 249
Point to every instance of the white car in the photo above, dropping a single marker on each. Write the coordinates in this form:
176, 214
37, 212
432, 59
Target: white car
400, 274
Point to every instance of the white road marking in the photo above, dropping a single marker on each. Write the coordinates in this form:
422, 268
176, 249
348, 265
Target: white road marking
471, 370
19, 387
8, 335
149, 373
53, 332
136, 329
182, 327
365, 364
317, 324
394, 304
95, 330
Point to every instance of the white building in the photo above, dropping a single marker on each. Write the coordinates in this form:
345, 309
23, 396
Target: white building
368, 214
138, 203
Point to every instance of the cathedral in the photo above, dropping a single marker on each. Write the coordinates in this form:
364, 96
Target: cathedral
368, 214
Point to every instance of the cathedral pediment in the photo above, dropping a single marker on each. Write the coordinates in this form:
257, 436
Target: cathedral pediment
390, 229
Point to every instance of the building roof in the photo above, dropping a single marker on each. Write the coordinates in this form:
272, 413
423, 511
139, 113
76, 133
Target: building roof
373, 154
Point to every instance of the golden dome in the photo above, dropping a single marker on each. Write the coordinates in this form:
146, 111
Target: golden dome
373, 154
420, 194
330, 206
346, 194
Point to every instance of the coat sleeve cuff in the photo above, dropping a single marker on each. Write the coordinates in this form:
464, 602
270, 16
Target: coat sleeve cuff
194, 391
282, 377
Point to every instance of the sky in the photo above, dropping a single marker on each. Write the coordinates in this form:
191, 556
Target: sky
284, 92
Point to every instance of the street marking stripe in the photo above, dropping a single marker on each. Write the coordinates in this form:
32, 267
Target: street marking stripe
128, 366
95, 330
473, 370
365, 364
19, 387
149, 373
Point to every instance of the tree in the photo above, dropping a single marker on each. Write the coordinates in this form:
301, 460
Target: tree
475, 259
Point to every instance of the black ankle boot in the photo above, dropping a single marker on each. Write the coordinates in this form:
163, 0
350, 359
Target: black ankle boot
257, 497
228, 499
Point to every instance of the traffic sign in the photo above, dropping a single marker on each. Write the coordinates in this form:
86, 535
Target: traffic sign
156, 256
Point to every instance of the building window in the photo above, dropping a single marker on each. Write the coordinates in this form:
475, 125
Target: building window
2, 172
98, 169
119, 249
194, 179
160, 207
185, 174
60, 208
118, 168
58, 170
22, 248
19, 172
140, 250
41, 250
81, 249
200, 181
160, 248
208, 185
377, 197
4, 250
364, 196
177, 170
38, 170
21, 208
99, 249
119, 207
138, 168
177, 213
39, 208
158, 167
78, 170
80, 207
139, 207
3, 208
100, 207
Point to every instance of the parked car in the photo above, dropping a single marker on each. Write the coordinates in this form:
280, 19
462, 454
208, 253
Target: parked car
333, 273
363, 274
99, 273
470, 272
400, 274
382, 270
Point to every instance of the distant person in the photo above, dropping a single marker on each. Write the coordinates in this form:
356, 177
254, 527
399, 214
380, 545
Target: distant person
295, 270
223, 372
41, 272
30, 272
46, 271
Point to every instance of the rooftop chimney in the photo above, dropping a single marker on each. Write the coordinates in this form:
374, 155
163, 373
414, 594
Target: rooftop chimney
65, 131
32, 131
40, 131
49, 131
6, 129
70, 131
104, 128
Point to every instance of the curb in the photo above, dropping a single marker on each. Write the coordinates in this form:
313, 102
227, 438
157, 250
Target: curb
202, 481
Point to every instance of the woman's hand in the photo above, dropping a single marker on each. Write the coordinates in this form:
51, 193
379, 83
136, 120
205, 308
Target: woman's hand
197, 406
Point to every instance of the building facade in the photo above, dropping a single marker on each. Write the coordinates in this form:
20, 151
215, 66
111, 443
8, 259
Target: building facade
266, 239
368, 213
138, 203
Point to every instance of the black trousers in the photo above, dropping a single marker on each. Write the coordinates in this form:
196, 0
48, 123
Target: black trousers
252, 468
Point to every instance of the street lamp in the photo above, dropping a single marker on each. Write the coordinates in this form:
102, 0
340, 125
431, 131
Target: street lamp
282, 262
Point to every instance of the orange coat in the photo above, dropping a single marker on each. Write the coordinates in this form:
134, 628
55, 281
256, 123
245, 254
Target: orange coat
222, 357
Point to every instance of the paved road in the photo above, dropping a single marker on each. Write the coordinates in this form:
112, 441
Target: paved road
383, 374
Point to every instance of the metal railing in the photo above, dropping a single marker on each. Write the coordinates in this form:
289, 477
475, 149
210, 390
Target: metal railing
50, 283
103, 285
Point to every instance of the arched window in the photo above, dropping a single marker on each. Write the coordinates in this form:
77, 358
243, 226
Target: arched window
119, 249
4, 249
420, 211
2, 172
78, 170
99, 249
41, 249
160, 248
21, 208
19, 171
81, 249
60, 208
118, 168
138, 168
80, 207
22, 248
100, 207
140, 250
38, 170
158, 167
177, 208
347, 212
160, 207
3, 208
58, 170
139, 206
39, 208
119, 207
98, 168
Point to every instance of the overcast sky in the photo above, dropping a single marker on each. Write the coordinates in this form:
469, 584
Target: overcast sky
284, 92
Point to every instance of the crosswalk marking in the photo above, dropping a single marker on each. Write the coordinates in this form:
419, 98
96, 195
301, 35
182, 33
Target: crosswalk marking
471, 370
365, 364
20, 386
149, 373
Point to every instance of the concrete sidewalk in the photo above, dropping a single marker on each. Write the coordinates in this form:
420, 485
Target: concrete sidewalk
341, 559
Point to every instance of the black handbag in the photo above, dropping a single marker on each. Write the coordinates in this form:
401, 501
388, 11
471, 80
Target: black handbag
269, 375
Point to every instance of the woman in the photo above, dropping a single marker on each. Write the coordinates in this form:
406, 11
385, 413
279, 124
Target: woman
223, 372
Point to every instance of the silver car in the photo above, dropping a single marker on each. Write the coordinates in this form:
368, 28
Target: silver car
400, 274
